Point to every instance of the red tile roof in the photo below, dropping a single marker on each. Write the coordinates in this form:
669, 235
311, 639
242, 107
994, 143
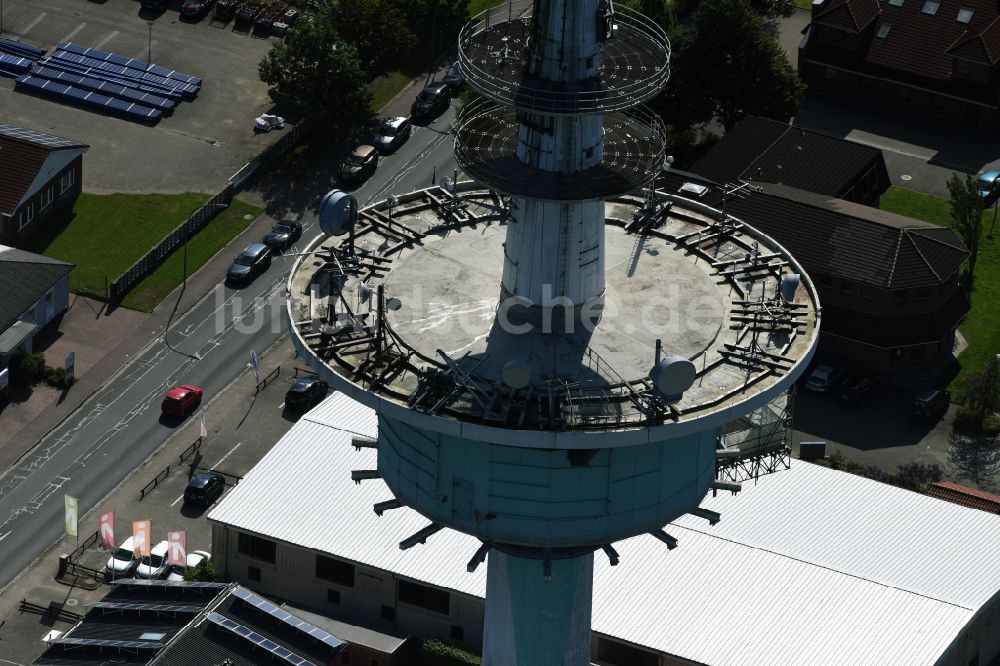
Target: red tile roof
980, 45
970, 497
22, 153
853, 15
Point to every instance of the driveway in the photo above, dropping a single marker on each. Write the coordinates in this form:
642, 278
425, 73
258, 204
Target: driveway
196, 148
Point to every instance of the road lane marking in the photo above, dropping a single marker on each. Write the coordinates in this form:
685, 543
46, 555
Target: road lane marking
227, 455
38, 19
177, 500
281, 406
73, 34
100, 44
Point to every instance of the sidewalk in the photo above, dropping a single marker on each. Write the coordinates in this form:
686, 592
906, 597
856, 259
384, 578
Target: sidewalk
104, 341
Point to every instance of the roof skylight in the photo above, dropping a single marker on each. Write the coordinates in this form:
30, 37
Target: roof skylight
931, 7
896, 3
883, 30
965, 14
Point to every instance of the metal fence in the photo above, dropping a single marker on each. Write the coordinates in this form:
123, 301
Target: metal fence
200, 218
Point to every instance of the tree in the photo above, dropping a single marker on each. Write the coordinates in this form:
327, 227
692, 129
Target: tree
771, 11
436, 22
727, 66
321, 71
967, 212
982, 394
378, 30
977, 457
205, 572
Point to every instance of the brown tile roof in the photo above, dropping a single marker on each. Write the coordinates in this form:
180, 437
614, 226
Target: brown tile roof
765, 150
853, 15
844, 239
982, 45
22, 153
970, 497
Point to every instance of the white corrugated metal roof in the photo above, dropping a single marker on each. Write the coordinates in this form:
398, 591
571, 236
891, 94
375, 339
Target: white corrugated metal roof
809, 566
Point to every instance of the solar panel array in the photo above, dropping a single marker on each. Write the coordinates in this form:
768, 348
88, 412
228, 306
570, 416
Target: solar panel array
13, 66
153, 582
41, 138
20, 49
260, 641
274, 611
101, 642
159, 608
113, 83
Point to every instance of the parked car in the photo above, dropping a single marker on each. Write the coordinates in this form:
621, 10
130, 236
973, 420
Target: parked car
392, 133
360, 164
123, 561
453, 78
195, 9
204, 488
988, 183
930, 404
157, 5
194, 558
431, 101
855, 387
252, 262
305, 393
283, 235
181, 400
824, 377
153, 565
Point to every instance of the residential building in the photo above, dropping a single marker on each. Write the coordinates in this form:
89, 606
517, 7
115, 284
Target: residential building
40, 178
888, 284
34, 292
939, 59
970, 497
809, 565
767, 151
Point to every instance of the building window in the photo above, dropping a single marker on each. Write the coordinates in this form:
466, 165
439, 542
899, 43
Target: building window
26, 216
257, 548
900, 296
253, 573
931, 7
335, 571
457, 633
333, 597
883, 30
965, 14
388, 613
830, 74
48, 196
66, 181
428, 598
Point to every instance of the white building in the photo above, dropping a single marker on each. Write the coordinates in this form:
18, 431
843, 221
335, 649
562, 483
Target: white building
808, 566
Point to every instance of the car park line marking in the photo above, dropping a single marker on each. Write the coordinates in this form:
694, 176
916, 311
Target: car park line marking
281, 406
38, 19
100, 44
177, 500
228, 454
73, 33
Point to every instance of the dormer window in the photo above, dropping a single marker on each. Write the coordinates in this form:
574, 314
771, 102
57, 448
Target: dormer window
931, 7
965, 14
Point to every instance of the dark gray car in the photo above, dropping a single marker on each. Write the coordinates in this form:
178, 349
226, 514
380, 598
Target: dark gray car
392, 133
252, 262
283, 235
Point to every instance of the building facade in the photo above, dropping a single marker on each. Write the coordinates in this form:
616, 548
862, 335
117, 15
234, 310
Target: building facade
40, 179
35, 294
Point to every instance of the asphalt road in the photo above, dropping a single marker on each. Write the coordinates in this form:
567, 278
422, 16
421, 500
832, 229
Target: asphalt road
120, 426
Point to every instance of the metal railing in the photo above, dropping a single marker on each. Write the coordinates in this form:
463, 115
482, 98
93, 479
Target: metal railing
155, 482
268, 378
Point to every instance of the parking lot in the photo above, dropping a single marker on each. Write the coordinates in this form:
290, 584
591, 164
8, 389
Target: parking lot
195, 149
242, 427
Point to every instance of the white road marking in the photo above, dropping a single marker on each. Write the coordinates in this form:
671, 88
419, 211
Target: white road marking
281, 406
73, 34
227, 455
38, 19
100, 44
177, 500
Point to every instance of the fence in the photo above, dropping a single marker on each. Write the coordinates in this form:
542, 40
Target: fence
84, 545
54, 610
268, 378
204, 214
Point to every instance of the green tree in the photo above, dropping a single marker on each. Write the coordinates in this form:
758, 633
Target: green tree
727, 66
967, 212
321, 71
378, 29
205, 572
436, 22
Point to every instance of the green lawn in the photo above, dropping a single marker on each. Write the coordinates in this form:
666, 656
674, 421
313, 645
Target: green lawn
201, 247
981, 327
107, 233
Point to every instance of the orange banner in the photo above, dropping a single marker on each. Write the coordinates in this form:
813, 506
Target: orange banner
142, 531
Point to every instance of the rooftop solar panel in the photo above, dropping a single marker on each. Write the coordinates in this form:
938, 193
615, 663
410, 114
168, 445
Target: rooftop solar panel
150, 582
284, 616
101, 642
258, 640
90, 72
41, 138
159, 608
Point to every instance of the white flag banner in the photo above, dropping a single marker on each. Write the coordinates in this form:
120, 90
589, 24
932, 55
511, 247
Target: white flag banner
255, 364
106, 530
177, 548
204, 428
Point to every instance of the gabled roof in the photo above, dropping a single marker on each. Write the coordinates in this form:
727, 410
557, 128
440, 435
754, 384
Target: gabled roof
844, 239
853, 15
981, 45
24, 278
965, 496
768, 151
22, 153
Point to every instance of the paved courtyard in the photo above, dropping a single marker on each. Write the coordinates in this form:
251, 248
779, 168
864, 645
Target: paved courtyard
195, 149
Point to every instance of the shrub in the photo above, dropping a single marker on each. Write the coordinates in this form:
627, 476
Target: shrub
57, 377
438, 653
205, 572
27, 369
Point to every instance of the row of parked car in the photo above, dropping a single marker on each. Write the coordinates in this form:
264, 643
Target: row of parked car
852, 387
124, 563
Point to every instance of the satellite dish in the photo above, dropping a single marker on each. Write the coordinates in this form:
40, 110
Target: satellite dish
393, 304
447, 183
338, 213
668, 162
516, 374
672, 376
789, 285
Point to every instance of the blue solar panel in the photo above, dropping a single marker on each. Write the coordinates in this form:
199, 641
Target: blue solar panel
20, 49
12, 66
284, 616
100, 642
132, 84
151, 73
90, 98
258, 640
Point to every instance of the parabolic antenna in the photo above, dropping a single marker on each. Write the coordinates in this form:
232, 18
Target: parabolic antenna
393, 304
516, 374
672, 376
338, 212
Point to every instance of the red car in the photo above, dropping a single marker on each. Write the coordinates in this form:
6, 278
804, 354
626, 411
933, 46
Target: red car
182, 400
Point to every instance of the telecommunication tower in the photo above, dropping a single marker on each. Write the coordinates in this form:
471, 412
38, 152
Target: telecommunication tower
553, 358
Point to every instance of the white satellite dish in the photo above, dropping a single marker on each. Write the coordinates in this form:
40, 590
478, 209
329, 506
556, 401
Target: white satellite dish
393, 304
673, 375
338, 213
447, 183
789, 285
516, 374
